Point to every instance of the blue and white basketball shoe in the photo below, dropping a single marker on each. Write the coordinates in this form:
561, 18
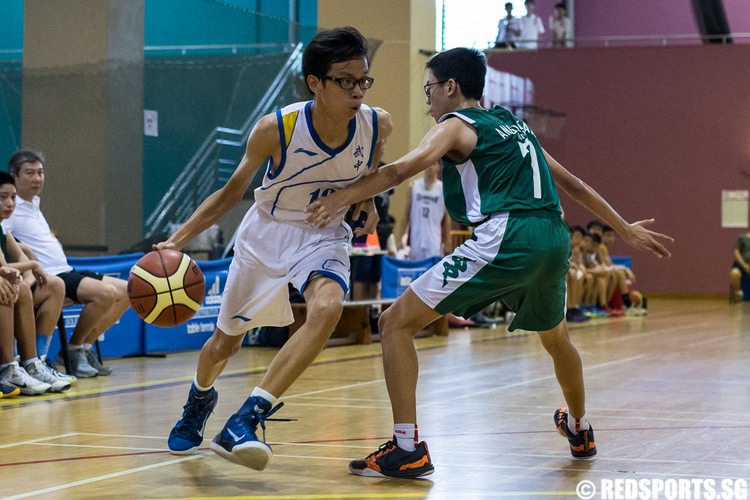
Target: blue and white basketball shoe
187, 434
237, 441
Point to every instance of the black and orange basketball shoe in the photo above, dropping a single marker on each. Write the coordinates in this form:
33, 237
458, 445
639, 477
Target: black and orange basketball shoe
582, 445
390, 460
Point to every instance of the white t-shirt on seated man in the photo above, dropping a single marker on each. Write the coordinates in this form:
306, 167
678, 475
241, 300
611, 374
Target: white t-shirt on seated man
29, 226
104, 298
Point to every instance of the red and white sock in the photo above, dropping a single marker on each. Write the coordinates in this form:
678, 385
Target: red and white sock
407, 436
576, 425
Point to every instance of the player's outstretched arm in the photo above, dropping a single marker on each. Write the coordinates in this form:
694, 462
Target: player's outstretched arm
438, 141
262, 143
634, 234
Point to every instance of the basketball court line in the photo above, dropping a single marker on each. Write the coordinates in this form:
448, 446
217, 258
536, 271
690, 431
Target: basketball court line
67, 445
32, 441
630, 336
103, 477
670, 473
339, 444
429, 344
170, 382
526, 382
543, 469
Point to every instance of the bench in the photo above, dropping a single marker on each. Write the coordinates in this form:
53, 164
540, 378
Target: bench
354, 325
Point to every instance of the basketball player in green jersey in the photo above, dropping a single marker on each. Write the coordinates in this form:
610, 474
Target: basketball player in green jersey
497, 178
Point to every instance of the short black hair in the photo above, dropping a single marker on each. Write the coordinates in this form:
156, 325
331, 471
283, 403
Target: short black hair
330, 47
597, 239
560, 6
528, 2
467, 66
608, 229
508, 3
21, 157
594, 223
577, 229
6, 178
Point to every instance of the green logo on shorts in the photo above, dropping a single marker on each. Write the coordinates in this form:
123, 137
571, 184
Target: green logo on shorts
452, 271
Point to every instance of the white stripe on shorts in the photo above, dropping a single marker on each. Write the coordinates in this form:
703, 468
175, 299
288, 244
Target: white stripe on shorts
439, 282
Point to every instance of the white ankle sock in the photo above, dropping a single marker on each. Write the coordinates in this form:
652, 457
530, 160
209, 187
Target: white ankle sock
73, 347
29, 361
407, 436
265, 395
576, 425
200, 387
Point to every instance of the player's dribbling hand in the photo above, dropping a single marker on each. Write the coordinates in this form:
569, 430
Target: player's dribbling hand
637, 236
164, 245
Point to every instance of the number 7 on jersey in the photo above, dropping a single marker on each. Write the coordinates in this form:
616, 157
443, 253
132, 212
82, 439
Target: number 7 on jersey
526, 148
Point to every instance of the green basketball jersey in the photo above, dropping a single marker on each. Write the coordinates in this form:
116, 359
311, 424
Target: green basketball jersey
505, 172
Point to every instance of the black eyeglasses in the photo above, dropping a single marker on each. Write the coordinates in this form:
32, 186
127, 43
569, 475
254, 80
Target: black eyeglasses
349, 83
427, 87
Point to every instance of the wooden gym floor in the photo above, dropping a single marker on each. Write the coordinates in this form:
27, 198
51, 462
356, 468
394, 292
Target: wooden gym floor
668, 395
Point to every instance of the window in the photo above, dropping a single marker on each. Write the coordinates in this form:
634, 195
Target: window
470, 23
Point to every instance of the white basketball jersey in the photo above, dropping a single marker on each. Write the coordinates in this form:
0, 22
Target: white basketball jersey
425, 221
308, 168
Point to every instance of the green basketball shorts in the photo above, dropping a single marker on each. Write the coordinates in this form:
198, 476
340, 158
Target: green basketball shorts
519, 258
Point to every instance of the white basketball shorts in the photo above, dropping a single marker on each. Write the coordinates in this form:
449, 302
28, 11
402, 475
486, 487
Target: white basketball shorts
269, 254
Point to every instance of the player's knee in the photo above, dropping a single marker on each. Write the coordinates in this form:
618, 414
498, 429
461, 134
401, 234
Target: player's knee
223, 346
389, 323
326, 309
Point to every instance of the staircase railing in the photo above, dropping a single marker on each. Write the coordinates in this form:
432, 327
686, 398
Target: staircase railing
202, 175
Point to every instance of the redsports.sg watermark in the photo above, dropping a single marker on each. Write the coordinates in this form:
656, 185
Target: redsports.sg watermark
664, 489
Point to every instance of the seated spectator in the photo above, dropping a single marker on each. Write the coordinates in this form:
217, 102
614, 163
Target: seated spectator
9, 279
623, 275
104, 298
602, 277
576, 278
35, 311
595, 227
741, 266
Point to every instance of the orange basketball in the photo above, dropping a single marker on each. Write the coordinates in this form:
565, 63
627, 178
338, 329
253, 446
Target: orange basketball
166, 288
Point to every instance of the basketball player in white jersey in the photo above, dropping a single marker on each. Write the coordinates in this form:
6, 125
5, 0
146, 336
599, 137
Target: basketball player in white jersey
425, 217
311, 149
